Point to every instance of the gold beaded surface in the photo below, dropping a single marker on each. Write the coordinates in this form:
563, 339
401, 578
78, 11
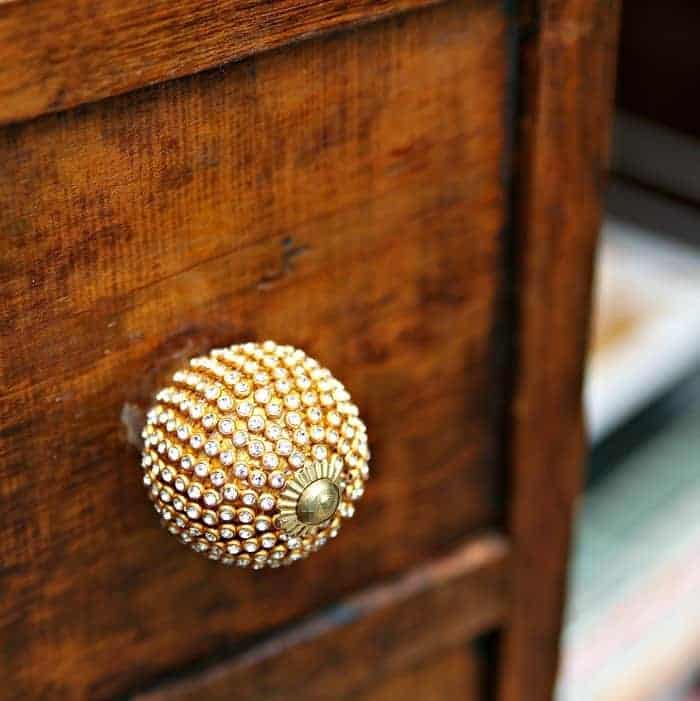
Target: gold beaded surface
254, 455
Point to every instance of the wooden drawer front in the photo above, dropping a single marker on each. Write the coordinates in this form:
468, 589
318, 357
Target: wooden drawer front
344, 195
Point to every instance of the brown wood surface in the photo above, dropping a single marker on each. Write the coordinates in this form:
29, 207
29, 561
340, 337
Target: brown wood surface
374, 643
566, 100
59, 54
344, 195
460, 673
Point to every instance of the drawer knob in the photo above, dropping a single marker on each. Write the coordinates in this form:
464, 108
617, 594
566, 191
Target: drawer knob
254, 455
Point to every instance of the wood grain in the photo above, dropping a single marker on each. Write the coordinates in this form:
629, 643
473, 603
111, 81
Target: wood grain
55, 55
460, 673
567, 88
344, 195
374, 643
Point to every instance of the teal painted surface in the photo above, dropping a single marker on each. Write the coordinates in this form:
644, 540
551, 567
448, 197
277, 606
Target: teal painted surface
635, 568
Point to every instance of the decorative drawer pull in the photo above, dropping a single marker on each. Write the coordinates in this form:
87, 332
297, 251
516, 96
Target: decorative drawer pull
254, 455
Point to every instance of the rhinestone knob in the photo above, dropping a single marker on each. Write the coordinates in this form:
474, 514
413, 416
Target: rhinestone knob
254, 455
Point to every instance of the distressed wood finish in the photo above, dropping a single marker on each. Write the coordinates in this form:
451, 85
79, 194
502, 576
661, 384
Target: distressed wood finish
461, 674
567, 87
61, 54
344, 195
387, 632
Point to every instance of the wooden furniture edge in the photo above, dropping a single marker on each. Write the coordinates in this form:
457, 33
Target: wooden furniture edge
567, 60
58, 55
433, 606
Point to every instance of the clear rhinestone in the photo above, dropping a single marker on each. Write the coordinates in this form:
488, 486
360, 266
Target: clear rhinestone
240, 438
309, 398
211, 498
241, 388
262, 396
212, 392
270, 461
258, 478
230, 378
314, 414
273, 431
268, 540
267, 502
226, 427
218, 477
277, 480
230, 492
246, 532
291, 401
273, 409
256, 423
209, 421
261, 378
244, 409
317, 433
282, 386
284, 447
256, 448
293, 419
225, 402
201, 469
241, 470
245, 516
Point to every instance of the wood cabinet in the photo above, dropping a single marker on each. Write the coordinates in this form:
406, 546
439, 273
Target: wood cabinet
409, 191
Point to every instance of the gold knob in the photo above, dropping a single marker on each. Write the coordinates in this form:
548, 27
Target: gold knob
254, 455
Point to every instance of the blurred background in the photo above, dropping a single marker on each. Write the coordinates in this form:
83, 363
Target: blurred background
633, 616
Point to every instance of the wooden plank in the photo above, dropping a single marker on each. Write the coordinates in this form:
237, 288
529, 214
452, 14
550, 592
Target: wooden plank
344, 195
55, 55
373, 643
460, 673
568, 67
